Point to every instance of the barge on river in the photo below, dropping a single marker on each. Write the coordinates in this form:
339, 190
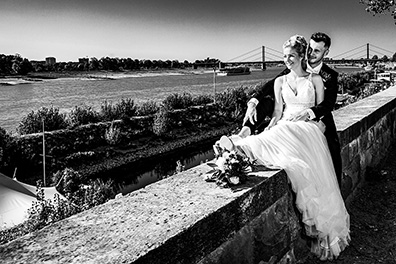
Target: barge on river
241, 70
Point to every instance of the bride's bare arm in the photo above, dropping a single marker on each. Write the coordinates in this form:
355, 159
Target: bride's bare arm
277, 114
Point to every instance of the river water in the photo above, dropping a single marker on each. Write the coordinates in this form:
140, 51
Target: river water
65, 93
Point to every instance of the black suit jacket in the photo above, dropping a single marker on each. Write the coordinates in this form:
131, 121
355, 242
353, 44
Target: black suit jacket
322, 111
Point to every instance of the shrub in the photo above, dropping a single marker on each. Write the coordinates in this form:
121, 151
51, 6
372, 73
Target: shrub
112, 134
177, 101
6, 143
232, 102
44, 211
353, 81
147, 108
125, 108
107, 111
162, 122
84, 157
202, 99
79, 197
33, 122
83, 194
81, 115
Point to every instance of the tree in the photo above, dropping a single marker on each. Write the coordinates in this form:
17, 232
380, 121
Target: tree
375, 57
380, 7
393, 58
385, 58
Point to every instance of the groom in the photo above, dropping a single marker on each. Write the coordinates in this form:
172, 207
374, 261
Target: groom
262, 105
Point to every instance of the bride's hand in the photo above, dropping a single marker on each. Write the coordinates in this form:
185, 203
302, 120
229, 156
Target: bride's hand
251, 114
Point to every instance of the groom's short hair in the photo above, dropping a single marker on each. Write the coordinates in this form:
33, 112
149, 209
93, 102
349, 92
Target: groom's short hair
320, 36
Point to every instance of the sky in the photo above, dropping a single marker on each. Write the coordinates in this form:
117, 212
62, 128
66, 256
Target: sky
184, 29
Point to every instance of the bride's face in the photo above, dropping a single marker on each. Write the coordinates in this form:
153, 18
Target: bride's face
291, 58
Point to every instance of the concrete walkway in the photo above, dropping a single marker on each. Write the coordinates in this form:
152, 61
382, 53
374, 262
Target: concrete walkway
373, 218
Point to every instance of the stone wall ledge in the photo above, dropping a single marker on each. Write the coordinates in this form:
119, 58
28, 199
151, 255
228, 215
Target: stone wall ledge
180, 219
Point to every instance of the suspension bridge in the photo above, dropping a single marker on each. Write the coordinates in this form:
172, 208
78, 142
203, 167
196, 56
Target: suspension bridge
261, 56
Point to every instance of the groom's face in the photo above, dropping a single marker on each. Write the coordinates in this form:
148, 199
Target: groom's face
316, 52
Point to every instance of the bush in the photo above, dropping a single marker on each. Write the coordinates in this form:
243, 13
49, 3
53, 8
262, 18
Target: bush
107, 111
232, 103
81, 115
80, 197
147, 108
44, 211
162, 122
112, 134
123, 109
177, 101
202, 99
33, 122
353, 81
126, 108
6, 143
84, 157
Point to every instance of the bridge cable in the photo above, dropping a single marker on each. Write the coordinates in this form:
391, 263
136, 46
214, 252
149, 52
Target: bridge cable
349, 51
273, 50
379, 52
391, 52
363, 55
243, 55
276, 56
256, 54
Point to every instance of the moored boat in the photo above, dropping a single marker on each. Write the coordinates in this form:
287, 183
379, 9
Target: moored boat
241, 70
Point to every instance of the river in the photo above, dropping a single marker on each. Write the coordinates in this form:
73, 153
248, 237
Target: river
19, 100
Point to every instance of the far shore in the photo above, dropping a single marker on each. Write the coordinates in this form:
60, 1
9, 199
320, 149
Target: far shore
36, 76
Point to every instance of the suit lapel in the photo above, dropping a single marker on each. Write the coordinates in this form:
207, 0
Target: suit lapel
324, 73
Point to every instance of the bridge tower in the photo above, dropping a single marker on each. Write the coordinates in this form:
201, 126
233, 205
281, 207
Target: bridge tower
263, 66
368, 51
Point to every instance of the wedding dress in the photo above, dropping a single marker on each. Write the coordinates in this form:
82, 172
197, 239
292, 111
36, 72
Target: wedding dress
301, 149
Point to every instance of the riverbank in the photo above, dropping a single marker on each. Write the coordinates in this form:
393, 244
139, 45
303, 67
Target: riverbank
114, 75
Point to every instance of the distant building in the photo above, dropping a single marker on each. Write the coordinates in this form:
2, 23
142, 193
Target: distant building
50, 60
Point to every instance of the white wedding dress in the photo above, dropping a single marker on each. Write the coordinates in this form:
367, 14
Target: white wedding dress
300, 148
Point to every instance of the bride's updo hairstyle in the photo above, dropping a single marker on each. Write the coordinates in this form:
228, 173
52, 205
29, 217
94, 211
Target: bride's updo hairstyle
299, 44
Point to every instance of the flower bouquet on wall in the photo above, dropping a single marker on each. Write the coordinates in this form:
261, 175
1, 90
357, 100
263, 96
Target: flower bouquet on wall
230, 169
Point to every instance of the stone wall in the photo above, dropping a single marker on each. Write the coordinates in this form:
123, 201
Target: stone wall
366, 130
183, 219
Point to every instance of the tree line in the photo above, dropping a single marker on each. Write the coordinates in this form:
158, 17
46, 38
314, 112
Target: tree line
16, 65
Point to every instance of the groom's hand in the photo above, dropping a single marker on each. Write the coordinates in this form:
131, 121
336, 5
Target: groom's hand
251, 114
301, 116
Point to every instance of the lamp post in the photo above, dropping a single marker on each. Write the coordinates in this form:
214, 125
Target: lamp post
44, 155
214, 84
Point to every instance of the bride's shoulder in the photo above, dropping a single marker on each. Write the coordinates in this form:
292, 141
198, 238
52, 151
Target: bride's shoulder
279, 79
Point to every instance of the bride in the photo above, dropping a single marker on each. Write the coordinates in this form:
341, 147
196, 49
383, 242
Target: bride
300, 148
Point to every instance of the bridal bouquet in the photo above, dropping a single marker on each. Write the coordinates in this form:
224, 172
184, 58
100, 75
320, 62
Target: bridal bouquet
229, 169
